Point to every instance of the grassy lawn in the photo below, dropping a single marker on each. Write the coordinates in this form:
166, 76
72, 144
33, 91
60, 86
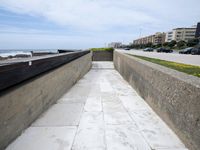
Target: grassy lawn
102, 49
189, 69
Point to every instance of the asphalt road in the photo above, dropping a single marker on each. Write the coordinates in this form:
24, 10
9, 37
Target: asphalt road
175, 57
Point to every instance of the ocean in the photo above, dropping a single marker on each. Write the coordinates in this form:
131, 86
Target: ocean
9, 52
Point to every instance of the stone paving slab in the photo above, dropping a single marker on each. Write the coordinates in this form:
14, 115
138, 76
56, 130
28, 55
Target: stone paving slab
101, 112
93, 104
61, 115
133, 102
155, 131
45, 138
125, 137
117, 118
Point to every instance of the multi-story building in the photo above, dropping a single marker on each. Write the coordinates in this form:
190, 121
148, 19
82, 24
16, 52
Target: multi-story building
115, 44
157, 38
197, 34
181, 34
169, 36
150, 39
141, 41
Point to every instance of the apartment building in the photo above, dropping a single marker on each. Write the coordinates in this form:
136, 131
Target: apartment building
115, 44
197, 34
169, 36
157, 38
179, 34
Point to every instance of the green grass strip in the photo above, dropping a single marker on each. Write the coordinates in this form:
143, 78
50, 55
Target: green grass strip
189, 69
101, 49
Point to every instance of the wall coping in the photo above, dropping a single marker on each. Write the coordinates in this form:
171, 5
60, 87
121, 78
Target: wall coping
173, 95
190, 79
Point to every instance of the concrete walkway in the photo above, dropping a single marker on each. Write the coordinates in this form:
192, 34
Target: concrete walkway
101, 112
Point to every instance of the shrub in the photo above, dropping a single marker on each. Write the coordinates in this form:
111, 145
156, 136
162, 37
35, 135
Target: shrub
181, 44
172, 44
102, 49
192, 42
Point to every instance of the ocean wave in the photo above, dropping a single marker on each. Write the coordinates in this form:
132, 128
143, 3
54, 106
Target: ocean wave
6, 53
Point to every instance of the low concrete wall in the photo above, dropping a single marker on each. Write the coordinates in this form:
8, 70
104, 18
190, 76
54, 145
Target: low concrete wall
102, 56
174, 96
13, 72
23, 103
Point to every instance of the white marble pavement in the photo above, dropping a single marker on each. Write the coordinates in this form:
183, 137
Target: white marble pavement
101, 112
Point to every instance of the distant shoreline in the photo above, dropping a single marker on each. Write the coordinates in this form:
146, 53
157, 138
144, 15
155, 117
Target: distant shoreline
12, 53
16, 54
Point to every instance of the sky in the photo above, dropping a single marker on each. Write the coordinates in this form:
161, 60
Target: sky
82, 24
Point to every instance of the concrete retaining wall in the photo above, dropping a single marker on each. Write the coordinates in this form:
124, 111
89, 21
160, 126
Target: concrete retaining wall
174, 96
13, 72
102, 56
23, 103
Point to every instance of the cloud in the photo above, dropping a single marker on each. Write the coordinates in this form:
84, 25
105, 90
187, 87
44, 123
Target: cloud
23, 38
91, 22
85, 14
101, 15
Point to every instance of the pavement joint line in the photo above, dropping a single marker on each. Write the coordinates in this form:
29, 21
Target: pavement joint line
63, 102
104, 124
77, 128
135, 123
93, 111
103, 69
54, 126
139, 131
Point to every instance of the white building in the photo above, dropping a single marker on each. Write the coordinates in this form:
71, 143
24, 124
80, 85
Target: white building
179, 34
169, 36
155, 39
115, 44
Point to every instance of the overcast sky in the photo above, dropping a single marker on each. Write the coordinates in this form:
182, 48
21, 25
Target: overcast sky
89, 23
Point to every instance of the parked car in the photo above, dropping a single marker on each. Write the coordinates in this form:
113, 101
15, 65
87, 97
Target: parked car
186, 50
149, 49
195, 51
126, 48
164, 50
